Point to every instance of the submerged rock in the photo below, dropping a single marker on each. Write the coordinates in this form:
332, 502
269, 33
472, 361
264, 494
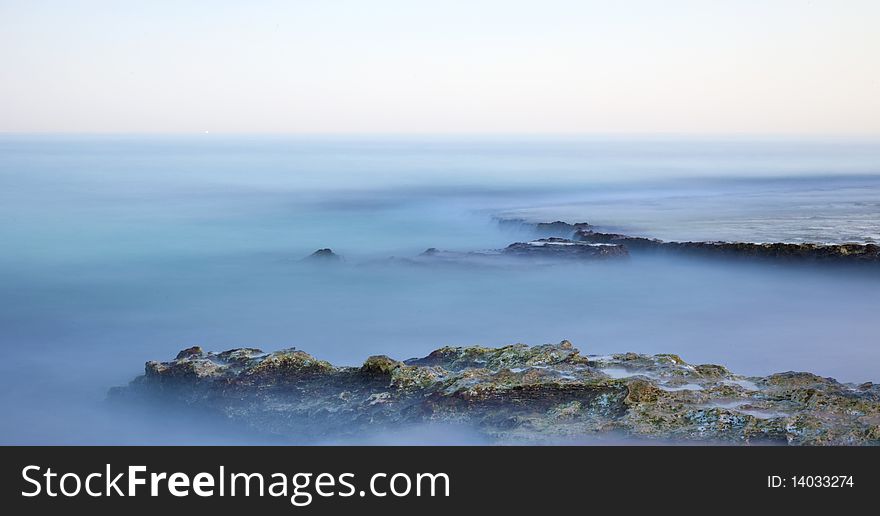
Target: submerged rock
325, 254
514, 393
552, 249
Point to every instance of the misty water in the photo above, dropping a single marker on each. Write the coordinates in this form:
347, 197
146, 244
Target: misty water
120, 250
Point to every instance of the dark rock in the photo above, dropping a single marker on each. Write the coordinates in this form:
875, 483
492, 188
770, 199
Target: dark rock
194, 351
564, 248
825, 253
550, 229
837, 253
553, 249
514, 393
631, 243
560, 229
325, 254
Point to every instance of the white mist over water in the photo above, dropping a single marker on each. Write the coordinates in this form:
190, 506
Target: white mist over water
121, 250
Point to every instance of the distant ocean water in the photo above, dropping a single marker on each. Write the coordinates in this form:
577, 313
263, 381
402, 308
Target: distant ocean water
831, 210
117, 250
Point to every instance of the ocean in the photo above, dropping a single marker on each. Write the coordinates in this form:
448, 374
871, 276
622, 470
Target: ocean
118, 250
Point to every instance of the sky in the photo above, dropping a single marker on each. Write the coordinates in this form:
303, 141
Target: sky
449, 66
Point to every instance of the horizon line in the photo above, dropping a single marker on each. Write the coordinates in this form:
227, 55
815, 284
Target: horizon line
460, 134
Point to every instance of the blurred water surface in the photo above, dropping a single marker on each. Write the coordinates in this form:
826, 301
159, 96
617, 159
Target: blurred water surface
116, 250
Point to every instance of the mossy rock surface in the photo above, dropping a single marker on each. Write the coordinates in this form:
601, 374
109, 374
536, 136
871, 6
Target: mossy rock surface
514, 393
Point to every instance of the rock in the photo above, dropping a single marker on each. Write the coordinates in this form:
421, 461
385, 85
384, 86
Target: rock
325, 254
805, 253
564, 248
512, 394
194, 351
632, 243
553, 249
560, 229
777, 251
380, 365
548, 229
825, 253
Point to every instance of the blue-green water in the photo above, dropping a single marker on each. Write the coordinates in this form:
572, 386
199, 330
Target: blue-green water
120, 250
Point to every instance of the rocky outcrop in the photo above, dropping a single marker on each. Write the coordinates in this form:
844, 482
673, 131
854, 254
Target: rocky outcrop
630, 242
777, 251
564, 248
560, 228
836, 253
514, 393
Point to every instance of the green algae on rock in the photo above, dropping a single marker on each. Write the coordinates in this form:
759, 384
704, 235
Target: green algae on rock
513, 394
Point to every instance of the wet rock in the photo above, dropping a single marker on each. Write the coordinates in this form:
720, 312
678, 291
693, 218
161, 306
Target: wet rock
514, 393
564, 248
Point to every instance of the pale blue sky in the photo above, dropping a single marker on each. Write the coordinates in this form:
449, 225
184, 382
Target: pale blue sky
477, 66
